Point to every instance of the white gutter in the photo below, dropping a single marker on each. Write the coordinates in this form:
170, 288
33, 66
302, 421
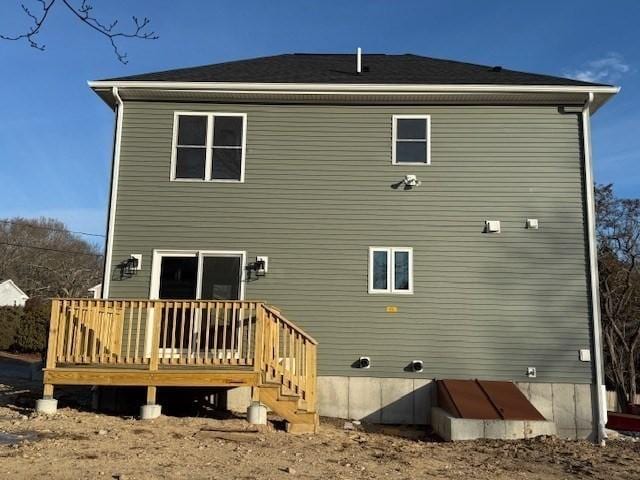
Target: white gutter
601, 413
115, 170
319, 88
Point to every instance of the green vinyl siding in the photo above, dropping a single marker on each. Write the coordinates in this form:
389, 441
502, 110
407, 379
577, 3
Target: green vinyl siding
319, 191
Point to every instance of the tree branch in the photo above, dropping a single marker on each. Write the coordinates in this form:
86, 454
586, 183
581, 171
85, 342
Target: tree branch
37, 25
84, 14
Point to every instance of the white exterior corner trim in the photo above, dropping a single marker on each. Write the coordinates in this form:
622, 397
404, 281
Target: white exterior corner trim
600, 410
115, 171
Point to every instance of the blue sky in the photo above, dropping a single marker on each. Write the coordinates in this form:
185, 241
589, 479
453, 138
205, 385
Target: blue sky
56, 135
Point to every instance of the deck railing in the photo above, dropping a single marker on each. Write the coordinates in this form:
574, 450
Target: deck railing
289, 355
154, 334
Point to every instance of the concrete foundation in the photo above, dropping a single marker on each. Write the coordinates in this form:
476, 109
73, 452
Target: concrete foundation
397, 401
570, 406
409, 401
238, 399
48, 406
451, 428
149, 412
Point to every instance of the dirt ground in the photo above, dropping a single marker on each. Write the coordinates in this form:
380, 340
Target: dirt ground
80, 444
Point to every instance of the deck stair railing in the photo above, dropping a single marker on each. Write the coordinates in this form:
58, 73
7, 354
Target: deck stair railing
289, 355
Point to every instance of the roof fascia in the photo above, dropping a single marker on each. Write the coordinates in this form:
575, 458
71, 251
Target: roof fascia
319, 88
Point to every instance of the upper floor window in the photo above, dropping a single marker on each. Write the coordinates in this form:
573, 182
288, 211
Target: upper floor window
208, 146
411, 139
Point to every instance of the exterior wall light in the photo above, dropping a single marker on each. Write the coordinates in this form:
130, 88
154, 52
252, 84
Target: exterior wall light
259, 267
130, 266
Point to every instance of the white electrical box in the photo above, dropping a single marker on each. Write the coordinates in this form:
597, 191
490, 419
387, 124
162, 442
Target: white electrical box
531, 372
138, 257
585, 355
492, 226
532, 223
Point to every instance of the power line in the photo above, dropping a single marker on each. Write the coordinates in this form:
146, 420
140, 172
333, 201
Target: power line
50, 249
52, 229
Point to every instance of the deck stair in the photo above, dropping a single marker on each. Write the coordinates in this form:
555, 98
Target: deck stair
156, 343
298, 418
288, 378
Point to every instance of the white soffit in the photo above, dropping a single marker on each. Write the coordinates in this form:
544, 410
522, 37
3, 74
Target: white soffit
381, 94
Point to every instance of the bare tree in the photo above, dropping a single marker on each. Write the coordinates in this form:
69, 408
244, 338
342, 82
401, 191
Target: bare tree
46, 260
618, 229
83, 13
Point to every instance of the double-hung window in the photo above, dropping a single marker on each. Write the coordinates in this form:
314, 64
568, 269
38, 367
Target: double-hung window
208, 147
390, 270
411, 140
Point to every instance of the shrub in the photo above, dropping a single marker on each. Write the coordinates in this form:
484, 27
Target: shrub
10, 318
31, 334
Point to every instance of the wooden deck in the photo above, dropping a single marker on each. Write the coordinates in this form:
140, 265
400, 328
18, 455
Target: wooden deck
156, 343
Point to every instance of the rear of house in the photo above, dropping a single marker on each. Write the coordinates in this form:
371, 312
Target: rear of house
419, 218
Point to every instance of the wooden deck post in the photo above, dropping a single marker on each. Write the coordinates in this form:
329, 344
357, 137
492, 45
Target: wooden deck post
151, 395
52, 345
47, 391
258, 345
154, 360
311, 379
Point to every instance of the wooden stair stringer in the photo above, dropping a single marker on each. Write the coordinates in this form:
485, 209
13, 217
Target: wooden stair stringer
287, 406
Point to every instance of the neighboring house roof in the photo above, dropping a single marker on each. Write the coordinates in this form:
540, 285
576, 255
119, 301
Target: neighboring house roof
341, 69
11, 283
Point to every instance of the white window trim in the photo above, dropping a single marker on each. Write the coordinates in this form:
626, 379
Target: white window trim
394, 126
390, 251
209, 146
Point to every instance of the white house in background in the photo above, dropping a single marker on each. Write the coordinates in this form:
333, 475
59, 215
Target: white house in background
96, 291
11, 295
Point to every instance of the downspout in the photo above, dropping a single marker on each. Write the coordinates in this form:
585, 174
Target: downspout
601, 412
115, 169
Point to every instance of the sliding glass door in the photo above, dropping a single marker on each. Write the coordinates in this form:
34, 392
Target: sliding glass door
199, 275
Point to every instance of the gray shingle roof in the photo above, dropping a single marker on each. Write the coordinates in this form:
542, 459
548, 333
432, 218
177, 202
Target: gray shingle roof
341, 68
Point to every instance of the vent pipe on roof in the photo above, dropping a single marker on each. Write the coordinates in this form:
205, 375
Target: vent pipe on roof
359, 60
